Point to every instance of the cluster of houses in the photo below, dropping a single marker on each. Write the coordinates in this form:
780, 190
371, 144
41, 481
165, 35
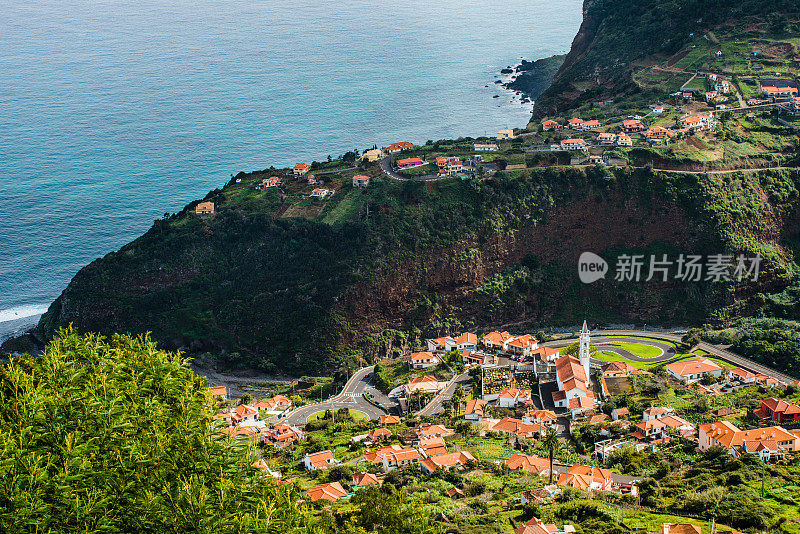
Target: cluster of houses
430, 453
247, 421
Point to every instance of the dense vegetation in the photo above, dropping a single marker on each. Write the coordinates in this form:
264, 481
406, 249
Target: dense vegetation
266, 291
115, 436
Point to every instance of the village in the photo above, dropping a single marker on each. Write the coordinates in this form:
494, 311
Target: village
540, 421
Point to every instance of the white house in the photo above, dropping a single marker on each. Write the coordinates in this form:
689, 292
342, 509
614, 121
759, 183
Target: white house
422, 360
573, 144
693, 370
445, 344
319, 460
511, 397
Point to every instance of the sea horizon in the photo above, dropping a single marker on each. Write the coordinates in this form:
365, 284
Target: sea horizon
124, 118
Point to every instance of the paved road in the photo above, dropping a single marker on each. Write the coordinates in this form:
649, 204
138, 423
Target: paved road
386, 167
351, 396
436, 406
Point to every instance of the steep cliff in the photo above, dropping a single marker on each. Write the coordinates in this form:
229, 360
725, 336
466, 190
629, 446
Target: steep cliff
298, 295
616, 35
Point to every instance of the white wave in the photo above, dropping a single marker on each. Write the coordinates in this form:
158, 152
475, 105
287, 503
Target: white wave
21, 312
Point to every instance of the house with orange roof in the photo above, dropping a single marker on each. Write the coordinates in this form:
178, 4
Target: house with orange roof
779, 91
424, 384
591, 125
726, 434
779, 410
472, 358
617, 369
549, 125
393, 459
244, 414
522, 345
277, 404
423, 360
321, 193
580, 405
693, 370
426, 430
650, 430
475, 409
496, 340
573, 144
433, 446
394, 148
204, 208
510, 397
680, 528
536, 526
658, 134
458, 459
281, 436
696, 122
575, 123
449, 165
272, 181
379, 434
376, 456
331, 491
743, 376
467, 341
445, 344
529, 463
586, 478
372, 155
361, 181
319, 460
362, 480
624, 140
632, 126
409, 163
515, 427
546, 418
389, 419
301, 168
218, 391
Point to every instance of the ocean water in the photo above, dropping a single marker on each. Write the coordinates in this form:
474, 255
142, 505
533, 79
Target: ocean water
114, 112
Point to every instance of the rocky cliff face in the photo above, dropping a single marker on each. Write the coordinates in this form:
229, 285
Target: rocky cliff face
296, 296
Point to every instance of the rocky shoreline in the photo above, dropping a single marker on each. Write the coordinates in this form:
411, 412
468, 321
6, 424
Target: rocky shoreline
531, 78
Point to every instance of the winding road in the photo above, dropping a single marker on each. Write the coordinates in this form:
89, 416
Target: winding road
351, 396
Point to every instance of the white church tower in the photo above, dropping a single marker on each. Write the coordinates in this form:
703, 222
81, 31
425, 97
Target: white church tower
583, 353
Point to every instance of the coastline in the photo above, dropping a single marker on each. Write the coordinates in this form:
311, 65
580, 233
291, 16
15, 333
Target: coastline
530, 79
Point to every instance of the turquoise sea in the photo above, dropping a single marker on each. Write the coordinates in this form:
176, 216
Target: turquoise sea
114, 112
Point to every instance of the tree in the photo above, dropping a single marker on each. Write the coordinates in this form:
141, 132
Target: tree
117, 436
552, 443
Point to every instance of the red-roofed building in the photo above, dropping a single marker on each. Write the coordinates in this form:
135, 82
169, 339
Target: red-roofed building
551, 125
693, 370
632, 125
522, 345
332, 491
441, 343
399, 458
394, 148
573, 144
361, 180
496, 340
301, 168
422, 360
272, 181
218, 391
475, 409
443, 461
779, 410
408, 163
545, 418
546, 354
467, 341
362, 480
319, 460
515, 427
512, 396
529, 464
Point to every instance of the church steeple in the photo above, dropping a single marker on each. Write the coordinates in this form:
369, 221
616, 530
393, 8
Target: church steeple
583, 352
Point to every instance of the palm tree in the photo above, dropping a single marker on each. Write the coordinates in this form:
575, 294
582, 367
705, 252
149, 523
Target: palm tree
553, 443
